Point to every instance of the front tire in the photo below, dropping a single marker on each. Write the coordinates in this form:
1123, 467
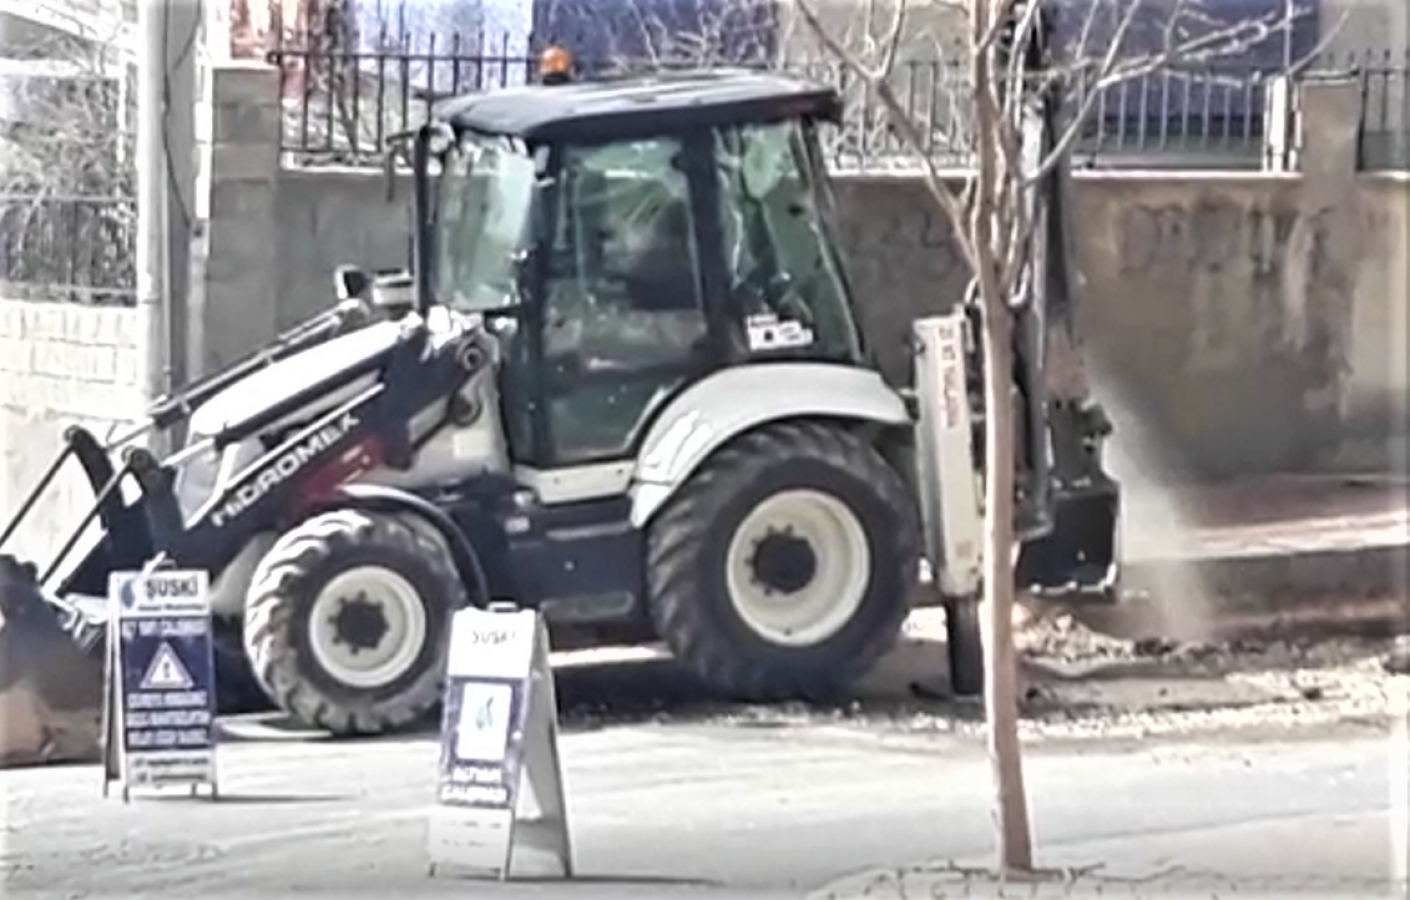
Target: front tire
780, 569
347, 620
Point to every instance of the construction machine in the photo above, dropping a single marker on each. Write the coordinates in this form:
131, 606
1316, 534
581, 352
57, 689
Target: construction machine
622, 382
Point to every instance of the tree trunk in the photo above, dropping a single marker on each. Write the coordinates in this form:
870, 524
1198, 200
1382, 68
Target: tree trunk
1000, 658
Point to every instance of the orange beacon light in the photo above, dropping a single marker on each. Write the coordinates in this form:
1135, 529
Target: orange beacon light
555, 65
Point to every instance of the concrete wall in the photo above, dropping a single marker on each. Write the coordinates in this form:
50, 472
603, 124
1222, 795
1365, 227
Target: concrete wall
1286, 321
59, 365
1252, 332
1255, 322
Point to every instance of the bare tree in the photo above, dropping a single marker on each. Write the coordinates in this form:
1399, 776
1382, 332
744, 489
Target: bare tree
994, 210
646, 35
66, 168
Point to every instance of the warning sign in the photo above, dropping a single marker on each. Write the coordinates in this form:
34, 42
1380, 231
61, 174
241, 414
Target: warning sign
166, 673
164, 679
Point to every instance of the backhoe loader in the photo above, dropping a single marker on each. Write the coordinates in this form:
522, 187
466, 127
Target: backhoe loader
621, 382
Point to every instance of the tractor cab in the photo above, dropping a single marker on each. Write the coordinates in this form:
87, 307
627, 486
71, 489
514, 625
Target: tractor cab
624, 239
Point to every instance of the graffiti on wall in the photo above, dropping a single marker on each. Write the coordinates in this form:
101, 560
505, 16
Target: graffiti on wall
1215, 236
1267, 279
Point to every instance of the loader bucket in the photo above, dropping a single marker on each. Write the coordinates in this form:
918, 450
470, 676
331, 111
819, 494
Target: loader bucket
1079, 560
51, 691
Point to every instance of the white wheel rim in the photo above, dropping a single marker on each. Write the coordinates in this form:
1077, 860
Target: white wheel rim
842, 559
401, 643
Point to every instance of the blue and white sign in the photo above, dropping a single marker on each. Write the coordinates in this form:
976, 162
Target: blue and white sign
499, 783
163, 679
482, 746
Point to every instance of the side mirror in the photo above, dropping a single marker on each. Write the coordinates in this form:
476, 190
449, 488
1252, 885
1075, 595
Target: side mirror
351, 283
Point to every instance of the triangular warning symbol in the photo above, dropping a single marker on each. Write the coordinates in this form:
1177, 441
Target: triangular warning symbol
166, 673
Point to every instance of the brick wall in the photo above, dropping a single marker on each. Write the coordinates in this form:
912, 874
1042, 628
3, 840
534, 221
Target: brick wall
59, 365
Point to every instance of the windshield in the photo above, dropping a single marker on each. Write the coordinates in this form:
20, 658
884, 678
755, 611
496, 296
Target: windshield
486, 186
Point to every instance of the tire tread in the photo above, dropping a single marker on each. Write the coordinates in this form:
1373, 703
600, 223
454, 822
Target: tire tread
679, 531
269, 613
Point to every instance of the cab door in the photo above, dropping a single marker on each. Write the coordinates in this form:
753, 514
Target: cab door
613, 326
622, 325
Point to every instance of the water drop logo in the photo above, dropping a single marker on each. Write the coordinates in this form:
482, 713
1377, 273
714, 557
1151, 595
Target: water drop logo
127, 594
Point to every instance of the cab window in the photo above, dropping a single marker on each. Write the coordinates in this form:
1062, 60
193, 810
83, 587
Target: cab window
623, 324
786, 278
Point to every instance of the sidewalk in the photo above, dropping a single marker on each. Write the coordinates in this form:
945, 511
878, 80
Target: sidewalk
1273, 515
1279, 553
1295, 564
1326, 855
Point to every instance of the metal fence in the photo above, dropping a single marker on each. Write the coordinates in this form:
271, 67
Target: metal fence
76, 249
341, 104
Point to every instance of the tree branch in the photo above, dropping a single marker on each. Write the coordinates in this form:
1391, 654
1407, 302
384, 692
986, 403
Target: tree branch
876, 81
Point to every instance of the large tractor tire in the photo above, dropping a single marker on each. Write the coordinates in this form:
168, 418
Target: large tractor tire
347, 621
51, 691
782, 568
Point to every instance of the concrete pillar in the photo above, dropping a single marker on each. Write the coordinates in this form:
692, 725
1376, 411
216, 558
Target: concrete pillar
1279, 138
237, 298
1325, 249
1328, 130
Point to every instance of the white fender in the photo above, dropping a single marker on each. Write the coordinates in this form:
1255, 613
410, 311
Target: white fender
732, 401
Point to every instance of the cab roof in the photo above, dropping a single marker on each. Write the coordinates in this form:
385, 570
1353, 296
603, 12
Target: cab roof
639, 105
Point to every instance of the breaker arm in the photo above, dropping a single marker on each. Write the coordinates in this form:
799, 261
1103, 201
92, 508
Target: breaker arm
1068, 508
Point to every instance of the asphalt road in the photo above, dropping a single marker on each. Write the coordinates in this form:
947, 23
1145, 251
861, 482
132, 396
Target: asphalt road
682, 809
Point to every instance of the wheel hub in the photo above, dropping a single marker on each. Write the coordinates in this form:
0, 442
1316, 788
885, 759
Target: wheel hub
783, 562
368, 627
797, 567
359, 623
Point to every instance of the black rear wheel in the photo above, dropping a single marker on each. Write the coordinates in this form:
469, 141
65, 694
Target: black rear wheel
965, 644
781, 568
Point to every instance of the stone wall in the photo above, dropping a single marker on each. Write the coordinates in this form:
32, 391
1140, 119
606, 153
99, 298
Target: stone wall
59, 365
1255, 322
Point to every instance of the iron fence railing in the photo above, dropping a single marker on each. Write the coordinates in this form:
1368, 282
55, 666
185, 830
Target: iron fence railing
350, 82
341, 104
76, 249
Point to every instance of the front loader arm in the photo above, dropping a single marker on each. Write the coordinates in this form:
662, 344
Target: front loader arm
370, 430
348, 315
308, 464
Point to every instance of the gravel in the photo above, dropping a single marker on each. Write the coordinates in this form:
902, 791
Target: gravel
1079, 685
1148, 687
